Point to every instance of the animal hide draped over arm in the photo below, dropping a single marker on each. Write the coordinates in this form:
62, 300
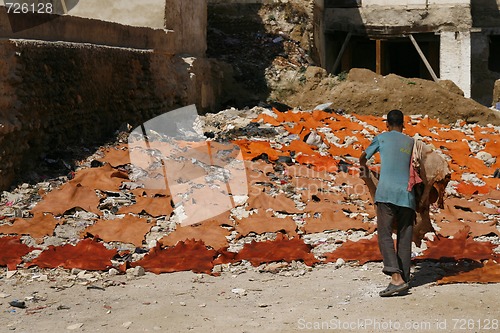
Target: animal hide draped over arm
435, 175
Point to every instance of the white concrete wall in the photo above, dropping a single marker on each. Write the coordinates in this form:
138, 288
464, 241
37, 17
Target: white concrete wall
455, 59
139, 13
414, 3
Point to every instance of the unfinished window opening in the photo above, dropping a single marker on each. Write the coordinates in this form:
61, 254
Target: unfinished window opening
494, 56
342, 3
359, 52
401, 57
396, 55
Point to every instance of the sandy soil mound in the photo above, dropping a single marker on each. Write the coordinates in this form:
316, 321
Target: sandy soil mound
365, 92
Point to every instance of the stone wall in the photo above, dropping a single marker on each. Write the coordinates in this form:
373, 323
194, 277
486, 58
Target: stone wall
55, 94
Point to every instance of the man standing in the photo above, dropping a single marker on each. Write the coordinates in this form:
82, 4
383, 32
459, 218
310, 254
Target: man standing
395, 204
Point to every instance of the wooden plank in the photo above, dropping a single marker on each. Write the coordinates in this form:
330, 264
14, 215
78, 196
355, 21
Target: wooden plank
65, 8
341, 53
424, 59
379, 60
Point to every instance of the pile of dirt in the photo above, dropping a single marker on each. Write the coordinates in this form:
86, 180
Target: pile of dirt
365, 92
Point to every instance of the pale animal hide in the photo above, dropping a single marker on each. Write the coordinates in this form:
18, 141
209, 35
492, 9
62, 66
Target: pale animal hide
435, 174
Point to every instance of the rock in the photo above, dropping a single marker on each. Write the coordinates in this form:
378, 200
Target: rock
323, 107
182, 303
315, 73
2, 295
18, 304
139, 271
10, 274
74, 326
127, 324
274, 267
314, 139
496, 174
484, 156
113, 272
239, 291
339, 263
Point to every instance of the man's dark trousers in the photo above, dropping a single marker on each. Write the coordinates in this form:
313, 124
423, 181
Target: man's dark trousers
395, 260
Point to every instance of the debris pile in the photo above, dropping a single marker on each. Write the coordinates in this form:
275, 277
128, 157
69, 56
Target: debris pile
303, 203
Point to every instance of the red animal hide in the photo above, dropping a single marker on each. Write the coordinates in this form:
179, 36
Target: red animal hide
190, 255
460, 247
87, 254
12, 251
279, 249
488, 273
363, 251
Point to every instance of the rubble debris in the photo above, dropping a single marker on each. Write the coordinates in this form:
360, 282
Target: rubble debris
305, 201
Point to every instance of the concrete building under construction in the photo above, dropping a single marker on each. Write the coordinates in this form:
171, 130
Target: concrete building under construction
457, 40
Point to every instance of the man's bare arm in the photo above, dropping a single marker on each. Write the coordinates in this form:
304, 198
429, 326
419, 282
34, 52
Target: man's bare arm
364, 171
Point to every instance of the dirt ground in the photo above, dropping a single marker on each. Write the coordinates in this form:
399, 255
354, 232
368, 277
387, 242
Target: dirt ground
323, 299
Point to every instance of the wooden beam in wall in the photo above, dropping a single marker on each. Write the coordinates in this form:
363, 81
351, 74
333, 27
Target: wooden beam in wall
341, 53
379, 61
64, 7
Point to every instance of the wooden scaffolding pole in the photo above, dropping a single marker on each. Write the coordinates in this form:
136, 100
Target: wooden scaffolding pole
341, 53
424, 59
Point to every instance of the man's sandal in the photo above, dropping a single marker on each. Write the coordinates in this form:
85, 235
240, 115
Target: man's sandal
393, 289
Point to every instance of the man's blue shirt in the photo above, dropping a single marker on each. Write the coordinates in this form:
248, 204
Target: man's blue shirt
395, 153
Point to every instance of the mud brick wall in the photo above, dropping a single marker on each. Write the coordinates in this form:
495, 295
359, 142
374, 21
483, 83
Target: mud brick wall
55, 94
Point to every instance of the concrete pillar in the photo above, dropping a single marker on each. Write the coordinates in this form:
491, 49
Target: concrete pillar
319, 33
455, 59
